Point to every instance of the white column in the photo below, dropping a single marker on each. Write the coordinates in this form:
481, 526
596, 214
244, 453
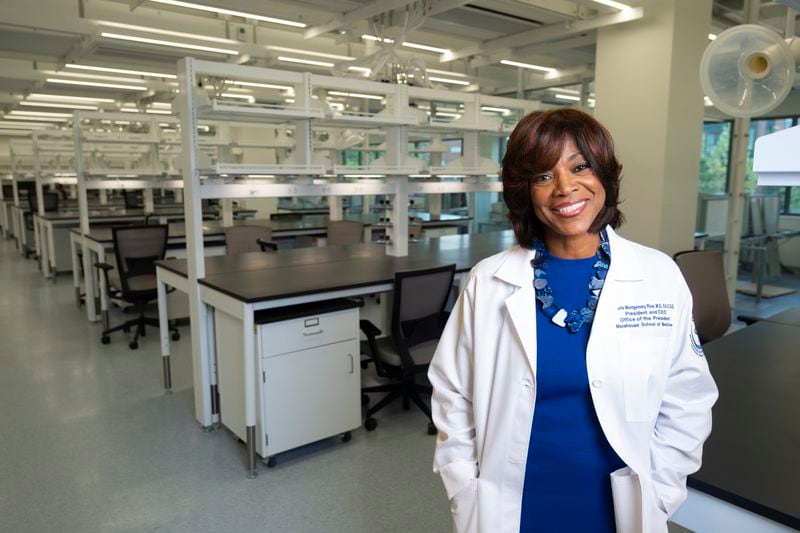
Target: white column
648, 95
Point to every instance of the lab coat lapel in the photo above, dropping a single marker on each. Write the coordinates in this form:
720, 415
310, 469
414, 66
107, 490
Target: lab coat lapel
521, 305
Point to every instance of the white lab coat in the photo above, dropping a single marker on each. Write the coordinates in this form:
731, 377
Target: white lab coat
649, 381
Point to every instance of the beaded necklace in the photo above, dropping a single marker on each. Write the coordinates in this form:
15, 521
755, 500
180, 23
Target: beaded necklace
575, 319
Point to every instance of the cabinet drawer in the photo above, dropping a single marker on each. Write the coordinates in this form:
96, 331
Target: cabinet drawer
308, 332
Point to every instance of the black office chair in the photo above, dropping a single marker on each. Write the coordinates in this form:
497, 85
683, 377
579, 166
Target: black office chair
49, 199
136, 249
705, 275
133, 199
344, 232
243, 239
418, 317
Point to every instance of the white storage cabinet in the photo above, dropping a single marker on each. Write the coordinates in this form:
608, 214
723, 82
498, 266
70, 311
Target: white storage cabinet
308, 384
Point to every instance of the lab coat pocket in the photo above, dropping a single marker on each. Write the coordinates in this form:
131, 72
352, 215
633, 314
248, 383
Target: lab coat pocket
627, 495
464, 506
639, 359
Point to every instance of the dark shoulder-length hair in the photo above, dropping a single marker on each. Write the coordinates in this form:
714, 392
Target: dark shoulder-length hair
535, 146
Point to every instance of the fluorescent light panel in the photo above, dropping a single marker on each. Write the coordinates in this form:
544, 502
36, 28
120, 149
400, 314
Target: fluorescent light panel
61, 106
66, 98
249, 98
712, 36
612, 3
261, 85
407, 44
122, 71
161, 42
568, 97
222, 11
448, 80
84, 76
96, 84
37, 119
356, 95
38, 113
158, 111
158, 31
309, 53
526, 65
304, 61
446, 73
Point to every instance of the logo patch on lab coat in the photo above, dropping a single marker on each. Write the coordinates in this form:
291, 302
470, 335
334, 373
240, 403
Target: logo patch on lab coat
697, 348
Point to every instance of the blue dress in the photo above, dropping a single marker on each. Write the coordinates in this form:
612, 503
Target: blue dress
567, 486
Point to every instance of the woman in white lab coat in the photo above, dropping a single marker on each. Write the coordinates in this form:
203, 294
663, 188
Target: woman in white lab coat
570, 390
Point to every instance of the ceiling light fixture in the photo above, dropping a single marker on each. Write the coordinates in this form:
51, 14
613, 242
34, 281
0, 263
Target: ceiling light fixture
121, 71
712, 36
261, 85
365, 70
96, 84
446, 114
161, 105
161, 42
158, 31
612, 3
496, 109
568, 97
356, 95
85, 76
309, 53
21, 125
527, 66
448, 80
249, 98
222, 11
158, 111
446, 73
38, 113
304, 61
407, 44
37, 119
66, 98
61, 106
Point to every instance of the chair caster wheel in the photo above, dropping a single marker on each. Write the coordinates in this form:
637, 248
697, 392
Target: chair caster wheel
364, 399
346, 436
105, 340
370, 424
133, 345
271, 462
176, 336
432, 429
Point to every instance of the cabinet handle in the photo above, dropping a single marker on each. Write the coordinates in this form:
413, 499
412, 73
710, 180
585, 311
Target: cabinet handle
312, 333
352, 363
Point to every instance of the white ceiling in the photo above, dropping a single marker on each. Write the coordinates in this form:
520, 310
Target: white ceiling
37, 39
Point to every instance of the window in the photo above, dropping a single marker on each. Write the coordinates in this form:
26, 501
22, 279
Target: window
715, 160
714, 157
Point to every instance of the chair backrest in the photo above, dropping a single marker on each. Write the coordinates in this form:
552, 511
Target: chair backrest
243, 239
133, 199
705, 275
136, 249
420, 297
344, 232
50, 200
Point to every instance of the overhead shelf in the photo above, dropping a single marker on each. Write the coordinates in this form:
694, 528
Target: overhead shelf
243, 112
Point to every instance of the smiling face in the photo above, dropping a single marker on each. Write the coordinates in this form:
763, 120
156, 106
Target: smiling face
567, 199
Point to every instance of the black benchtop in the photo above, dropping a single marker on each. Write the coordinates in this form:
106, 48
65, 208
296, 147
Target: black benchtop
751, 457
258, 276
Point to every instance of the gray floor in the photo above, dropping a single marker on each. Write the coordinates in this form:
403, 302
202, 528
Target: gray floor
89, 442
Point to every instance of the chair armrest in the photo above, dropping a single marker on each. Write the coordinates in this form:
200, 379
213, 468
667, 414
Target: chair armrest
105, 267
369, 329
748, 319
267, 245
